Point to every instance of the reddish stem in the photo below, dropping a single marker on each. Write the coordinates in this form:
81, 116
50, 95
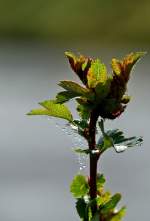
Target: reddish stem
93, 159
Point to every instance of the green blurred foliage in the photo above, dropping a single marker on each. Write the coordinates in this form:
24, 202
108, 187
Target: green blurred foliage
102, 20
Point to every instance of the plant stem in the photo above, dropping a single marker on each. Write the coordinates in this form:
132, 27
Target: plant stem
93, 159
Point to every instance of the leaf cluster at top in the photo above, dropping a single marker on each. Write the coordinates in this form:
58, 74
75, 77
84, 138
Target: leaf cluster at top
99, 91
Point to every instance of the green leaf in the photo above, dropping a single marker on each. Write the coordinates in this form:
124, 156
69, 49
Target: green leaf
79, 186
77, 89
100, 181
102, 89
116, 135
111, 204
103, 198
39, 112
80, 65
119, 138
105, 141
125, 99
108, 142
82, 124
101, 126
96, 74
115, 138
81, 208
72, 58
65, 96
123, 68
131, 59
82, 151
96, 217
134, 141
119, 215
73, 87
85, 64
84, 108
57, 110
111, 104
116, 66
83, 101
84, 111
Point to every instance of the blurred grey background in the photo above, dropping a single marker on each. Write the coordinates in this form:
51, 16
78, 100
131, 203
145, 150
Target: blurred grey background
37, 163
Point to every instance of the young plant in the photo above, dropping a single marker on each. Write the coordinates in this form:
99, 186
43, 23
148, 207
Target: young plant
101, 97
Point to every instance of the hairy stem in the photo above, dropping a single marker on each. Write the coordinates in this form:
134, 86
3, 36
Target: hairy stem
93, 159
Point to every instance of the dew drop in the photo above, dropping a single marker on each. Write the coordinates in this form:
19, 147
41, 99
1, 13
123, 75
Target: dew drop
139, 143
116, 210
82, 161
120, 148
95, 151
77, 141
72, 132
86, 198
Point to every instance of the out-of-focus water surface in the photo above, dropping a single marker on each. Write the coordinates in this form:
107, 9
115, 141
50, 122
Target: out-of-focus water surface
37, 163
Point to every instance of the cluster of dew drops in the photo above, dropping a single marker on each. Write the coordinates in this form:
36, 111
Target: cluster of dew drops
77, 141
